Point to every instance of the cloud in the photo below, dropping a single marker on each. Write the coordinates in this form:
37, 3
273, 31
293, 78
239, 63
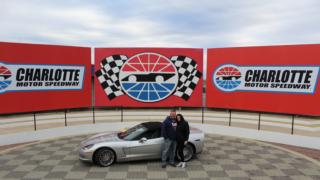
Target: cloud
160, 23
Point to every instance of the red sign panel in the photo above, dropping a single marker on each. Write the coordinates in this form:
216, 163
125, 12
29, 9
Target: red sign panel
282, 79
44, 77
148, 77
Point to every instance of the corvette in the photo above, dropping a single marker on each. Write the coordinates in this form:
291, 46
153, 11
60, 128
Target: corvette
140, 142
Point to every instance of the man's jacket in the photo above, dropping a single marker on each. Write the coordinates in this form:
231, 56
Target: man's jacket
168, 129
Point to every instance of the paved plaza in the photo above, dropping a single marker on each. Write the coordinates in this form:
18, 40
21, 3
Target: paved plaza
223, 158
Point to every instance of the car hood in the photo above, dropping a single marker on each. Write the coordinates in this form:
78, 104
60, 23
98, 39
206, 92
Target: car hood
102, 137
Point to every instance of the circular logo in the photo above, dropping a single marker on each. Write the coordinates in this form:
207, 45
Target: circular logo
5, 75
227, 77
148, 77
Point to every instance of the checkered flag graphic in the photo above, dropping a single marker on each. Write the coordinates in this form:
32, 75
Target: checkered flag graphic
108, 75
189, 76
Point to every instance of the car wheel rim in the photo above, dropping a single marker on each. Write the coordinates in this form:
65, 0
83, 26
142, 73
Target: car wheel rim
187, 152
106, 157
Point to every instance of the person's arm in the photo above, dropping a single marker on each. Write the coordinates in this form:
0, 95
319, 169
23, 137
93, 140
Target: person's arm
163, 129
187, 131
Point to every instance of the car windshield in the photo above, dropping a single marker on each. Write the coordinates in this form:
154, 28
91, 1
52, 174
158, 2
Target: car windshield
132, 133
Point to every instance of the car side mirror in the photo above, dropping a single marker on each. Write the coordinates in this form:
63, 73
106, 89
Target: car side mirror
142, 140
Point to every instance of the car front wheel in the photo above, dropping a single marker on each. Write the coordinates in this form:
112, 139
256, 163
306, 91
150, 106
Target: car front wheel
104, 157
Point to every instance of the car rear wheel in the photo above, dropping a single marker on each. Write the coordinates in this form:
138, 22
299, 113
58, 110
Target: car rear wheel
188, 152
104, 157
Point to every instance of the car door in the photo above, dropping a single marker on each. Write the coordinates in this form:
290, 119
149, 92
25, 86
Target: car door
149, 148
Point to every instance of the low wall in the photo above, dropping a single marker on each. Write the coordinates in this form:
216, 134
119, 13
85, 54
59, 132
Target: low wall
286, 124
45, 134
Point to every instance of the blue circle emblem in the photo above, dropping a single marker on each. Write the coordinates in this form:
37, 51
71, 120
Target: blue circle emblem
5, 75
227, 77
148, 77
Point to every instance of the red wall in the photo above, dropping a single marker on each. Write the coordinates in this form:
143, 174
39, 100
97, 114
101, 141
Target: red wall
26, 101
242, 58
279, 102
101, 98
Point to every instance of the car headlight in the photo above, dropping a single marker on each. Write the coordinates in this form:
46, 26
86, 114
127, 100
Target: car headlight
87, 147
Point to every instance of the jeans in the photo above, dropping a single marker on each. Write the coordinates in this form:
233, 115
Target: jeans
169, 150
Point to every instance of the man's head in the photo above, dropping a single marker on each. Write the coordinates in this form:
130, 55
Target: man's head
173, 114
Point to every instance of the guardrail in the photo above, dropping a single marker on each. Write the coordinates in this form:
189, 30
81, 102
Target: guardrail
290, 124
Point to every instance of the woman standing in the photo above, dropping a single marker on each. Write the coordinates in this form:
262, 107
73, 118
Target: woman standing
182, 138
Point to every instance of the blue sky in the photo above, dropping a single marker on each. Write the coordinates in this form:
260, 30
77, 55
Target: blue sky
161, 23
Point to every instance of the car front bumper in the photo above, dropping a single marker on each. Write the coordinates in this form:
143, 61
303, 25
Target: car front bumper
85, 155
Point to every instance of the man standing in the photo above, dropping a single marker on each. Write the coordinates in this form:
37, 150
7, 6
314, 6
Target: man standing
168, 132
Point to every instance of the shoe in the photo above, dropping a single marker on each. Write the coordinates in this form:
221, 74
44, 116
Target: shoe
164, 166
183, 165
180, 164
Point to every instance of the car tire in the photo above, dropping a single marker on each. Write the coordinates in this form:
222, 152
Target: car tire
104, 157
188, 152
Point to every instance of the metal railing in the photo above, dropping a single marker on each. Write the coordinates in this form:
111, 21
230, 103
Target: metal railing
68, 117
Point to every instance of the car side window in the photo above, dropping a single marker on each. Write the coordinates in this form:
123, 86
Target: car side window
134, 133
156, 134
147, 134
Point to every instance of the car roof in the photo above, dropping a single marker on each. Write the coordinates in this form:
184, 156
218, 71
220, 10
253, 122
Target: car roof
152, 125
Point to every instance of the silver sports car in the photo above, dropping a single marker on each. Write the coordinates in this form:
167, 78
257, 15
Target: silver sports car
140, 142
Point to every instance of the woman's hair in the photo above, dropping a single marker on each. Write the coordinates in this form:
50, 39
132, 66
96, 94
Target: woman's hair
182, 118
